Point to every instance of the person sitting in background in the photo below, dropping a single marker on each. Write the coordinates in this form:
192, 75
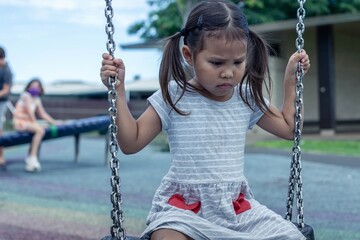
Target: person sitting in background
27, 108
6, 78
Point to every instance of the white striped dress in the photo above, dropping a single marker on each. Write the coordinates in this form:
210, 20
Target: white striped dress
200, 194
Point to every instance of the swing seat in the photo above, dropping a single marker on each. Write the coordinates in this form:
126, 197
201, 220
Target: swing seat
127, 238
307, 231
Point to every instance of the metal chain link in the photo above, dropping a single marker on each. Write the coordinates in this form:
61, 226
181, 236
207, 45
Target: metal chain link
117, 215
295, 180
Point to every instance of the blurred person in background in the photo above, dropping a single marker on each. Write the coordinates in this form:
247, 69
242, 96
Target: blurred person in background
6, 78
27, 108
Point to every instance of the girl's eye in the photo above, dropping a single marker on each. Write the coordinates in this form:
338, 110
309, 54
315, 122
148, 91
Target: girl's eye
215, 63
238, 62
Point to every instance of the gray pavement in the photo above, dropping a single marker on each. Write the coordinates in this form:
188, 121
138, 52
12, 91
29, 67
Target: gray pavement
72, 200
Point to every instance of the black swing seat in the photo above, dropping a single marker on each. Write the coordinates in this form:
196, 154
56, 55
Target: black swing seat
307, 231
127, 238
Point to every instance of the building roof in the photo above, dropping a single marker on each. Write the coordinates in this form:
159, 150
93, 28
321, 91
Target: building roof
143, 85
277, 26
309, 22
65, 87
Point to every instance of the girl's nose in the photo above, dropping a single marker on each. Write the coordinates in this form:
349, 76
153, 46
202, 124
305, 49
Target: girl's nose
228, 73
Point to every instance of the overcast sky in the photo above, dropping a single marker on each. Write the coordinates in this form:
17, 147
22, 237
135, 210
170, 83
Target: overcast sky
64, 39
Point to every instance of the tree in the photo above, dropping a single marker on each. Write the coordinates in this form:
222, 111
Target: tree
168, 19
161, 23
275, 10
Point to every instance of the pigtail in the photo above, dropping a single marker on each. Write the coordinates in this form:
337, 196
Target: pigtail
172, 68
257, 74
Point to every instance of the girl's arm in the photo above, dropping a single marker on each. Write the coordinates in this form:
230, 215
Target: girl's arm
27, 107
5, 90
133, 135
43, 114
281, 123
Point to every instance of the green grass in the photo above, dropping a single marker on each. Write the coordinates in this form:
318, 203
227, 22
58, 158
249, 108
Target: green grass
343, 147
346, 147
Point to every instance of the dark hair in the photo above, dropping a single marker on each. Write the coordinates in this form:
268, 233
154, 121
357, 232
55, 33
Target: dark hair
40, 85
216, 19
2, 53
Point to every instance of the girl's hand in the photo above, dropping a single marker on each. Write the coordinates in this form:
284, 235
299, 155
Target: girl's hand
112, 67
291, 68
59, 122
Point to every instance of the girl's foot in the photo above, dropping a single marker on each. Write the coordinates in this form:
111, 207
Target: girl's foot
32, 164
2, 165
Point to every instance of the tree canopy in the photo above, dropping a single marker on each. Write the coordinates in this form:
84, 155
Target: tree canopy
167, 19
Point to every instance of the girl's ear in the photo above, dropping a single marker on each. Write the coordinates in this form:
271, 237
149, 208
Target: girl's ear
186, 52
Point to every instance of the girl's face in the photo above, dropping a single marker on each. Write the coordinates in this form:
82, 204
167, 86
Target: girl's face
35, 84
218, 68
34, 89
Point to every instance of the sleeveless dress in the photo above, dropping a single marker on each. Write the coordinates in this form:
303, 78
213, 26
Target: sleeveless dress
21, 118
205, 193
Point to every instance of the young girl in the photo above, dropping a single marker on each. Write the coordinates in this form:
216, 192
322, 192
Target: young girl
205, 194
27, 106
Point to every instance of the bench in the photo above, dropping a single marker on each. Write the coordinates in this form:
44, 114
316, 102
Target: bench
70, 128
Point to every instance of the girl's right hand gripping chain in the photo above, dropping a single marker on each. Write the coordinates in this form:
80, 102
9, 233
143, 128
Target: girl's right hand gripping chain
115, 68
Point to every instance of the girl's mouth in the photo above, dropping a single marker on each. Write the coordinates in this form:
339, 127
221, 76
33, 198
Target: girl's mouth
225, 86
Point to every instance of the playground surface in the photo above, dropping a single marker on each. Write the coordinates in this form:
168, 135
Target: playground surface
69, 201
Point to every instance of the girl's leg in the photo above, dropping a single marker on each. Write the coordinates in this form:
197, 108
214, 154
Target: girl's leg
168, 234
2, 160
31, 162
39, 132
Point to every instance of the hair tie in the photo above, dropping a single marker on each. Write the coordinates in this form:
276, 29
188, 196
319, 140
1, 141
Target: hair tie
183, 32
199, 24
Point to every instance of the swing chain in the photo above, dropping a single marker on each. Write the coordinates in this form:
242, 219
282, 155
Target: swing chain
109, 28
300, 26
117, 215
295, 180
